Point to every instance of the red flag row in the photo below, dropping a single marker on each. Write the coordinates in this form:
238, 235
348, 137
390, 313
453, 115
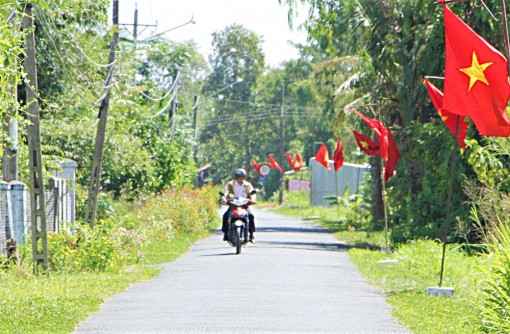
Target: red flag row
385, 146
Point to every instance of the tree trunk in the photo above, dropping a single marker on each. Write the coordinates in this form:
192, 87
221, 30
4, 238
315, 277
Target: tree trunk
377, 200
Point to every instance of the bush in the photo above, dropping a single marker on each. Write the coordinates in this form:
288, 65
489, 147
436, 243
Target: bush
494, 303
117, 241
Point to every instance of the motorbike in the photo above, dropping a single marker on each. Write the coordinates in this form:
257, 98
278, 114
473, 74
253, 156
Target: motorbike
238, 222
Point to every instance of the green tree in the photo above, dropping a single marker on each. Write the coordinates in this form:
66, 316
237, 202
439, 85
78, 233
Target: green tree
399, 42
228, 136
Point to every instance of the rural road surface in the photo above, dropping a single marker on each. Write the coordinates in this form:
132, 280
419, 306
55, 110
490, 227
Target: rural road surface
295, 279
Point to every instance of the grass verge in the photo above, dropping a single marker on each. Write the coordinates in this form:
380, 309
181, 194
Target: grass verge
405, 284
57, 303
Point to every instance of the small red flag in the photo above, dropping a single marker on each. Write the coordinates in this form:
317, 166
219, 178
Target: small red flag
449, 119
338, 157
299, 159
322, 156
393, 156
366, 144
298, 163
255, 165
380, 132
289, 159
294, 164
274, 164
476, 78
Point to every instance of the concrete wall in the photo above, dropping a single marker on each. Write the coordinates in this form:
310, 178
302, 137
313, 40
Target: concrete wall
325, 182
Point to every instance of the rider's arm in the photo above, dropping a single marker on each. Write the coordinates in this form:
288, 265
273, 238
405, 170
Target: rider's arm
226, 192
249, 189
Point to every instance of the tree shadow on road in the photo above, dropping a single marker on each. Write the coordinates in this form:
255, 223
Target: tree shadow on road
286, 229
321, 246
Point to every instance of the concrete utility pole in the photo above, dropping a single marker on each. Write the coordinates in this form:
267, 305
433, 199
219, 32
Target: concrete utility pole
101, 126
10, 126
37, 205
173, 110
282, 113
135, 24
195, 126
10, 156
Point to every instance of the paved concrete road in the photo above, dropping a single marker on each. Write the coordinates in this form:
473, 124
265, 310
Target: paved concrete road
295, 279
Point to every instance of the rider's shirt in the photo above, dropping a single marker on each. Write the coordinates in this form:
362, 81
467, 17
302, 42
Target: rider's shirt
239, 190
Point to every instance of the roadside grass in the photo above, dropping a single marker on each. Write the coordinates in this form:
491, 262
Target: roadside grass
405, 284
58, 301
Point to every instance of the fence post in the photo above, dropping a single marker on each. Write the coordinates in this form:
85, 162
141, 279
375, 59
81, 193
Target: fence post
69, 174
19, 209
4, 216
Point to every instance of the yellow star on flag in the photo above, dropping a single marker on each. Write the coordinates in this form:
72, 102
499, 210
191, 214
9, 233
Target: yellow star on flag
364, 144
475, 72
443, 117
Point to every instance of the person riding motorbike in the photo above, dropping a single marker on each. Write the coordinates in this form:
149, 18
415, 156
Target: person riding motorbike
238, 187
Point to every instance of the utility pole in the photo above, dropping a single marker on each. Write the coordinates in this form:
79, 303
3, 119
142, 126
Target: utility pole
101, 126
173, 110
37, 205
282, 111
195, 125
136, 25
10, 126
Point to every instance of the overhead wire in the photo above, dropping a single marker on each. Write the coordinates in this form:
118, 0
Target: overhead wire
77, 45
46, 20
167, 93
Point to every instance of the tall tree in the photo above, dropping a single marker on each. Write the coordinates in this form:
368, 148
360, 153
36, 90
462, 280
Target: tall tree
237, 64
399, 42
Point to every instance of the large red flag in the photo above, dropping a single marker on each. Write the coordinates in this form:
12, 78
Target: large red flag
393, 156
274, 164
322, 156
476, 78
449, 119
366, 144
338, 157
380, 132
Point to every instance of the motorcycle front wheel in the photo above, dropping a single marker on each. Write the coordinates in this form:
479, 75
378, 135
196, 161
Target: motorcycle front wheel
237, 238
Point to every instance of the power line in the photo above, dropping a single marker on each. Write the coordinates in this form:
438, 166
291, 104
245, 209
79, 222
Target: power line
167, 93
275, 106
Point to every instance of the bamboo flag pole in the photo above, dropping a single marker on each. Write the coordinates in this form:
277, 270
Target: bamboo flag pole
449, 200
337, 194
383, 165
505, 32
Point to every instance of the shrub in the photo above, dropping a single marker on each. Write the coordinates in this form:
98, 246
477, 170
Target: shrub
117, 241
494, 303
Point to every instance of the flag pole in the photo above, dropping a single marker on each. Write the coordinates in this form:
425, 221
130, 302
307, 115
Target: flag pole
449, 200
337, 194
505, 32
384, 192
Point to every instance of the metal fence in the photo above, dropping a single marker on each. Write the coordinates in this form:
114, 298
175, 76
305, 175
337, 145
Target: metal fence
15, 213
327, 182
